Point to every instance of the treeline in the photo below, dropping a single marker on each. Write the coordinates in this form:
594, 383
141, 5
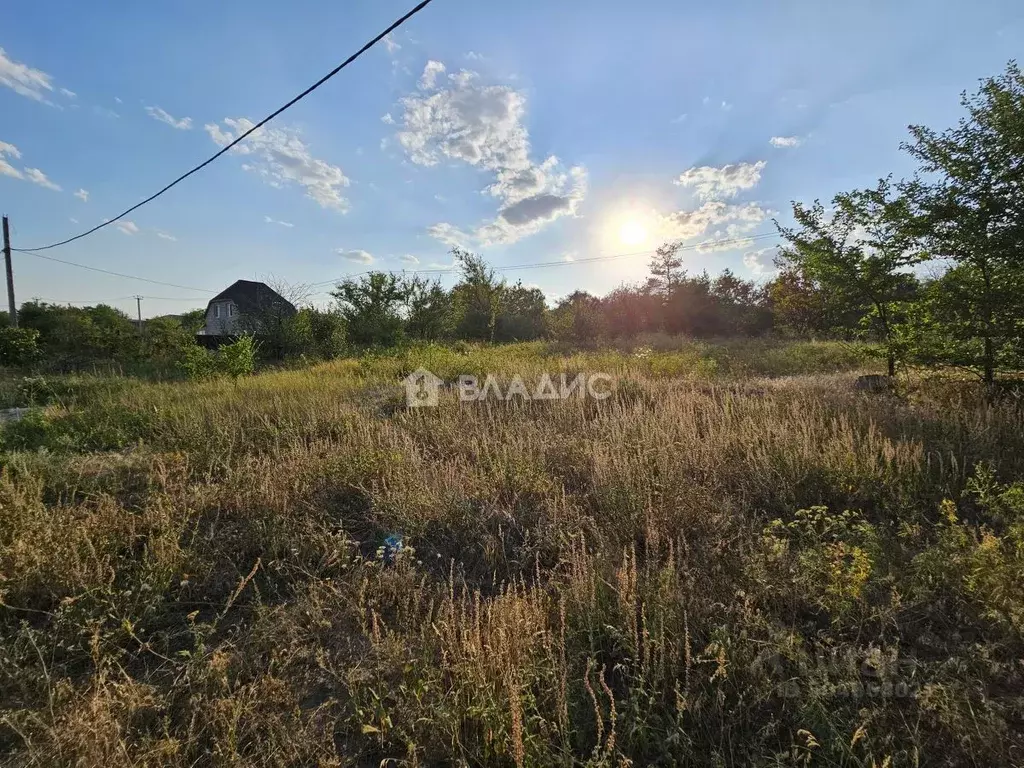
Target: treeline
931, 268
959, 220
65, 338
383, 309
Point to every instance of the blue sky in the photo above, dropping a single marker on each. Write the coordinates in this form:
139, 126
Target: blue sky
533, 131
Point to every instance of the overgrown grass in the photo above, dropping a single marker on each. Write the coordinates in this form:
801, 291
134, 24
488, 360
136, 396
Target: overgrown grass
736, 559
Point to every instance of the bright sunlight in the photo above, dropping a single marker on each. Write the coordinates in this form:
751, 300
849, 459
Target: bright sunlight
633, 233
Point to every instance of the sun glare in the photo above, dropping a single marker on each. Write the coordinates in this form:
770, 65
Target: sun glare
632, 233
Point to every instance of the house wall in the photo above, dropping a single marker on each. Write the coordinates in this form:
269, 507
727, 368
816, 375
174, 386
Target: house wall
228, 321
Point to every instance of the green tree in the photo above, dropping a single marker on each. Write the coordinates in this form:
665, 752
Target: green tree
18, 346
238, 358
578, 319
315, 333
372, 308
523, 315
193, 320
430, 315
741, 305
859, 253
667, 268
70, 337
164, 340
969, 201
197, 363
477, 299
797, 304
692, 308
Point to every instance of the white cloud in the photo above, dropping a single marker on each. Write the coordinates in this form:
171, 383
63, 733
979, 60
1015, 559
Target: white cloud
451, 235
281, 157
711, 183
388, 119
358, 256
127, 227
786, 142
429, 78
483, 127
390, 44
714, 220
23, 79
755, 261
82, 195
474, 56
6, 169
570, 256
182, 124
529, 215
463, 77
118, 100
409, 259
166, 236
68, 93
73, 220
679, 119
38, 177
269, 220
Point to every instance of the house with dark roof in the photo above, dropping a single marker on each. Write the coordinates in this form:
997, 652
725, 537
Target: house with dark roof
246, 307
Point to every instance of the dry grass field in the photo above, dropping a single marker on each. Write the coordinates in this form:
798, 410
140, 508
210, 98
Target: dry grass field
736, 559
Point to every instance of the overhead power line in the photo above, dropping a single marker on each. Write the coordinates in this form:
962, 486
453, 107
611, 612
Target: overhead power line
565, 263
244, 135
115, 274
122, 298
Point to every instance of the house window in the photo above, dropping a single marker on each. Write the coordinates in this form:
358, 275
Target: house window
231, 310
216, 311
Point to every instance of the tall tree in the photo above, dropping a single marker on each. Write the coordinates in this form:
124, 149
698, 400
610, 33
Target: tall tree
372, 308
429, 310
578, 318
523, 315
859, 252
478, 297
667, 268
797, 303
969, 199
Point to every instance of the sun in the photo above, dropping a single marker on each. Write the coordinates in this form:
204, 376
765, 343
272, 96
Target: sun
632, 233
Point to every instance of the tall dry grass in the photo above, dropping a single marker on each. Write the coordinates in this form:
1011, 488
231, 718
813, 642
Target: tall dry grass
722, 564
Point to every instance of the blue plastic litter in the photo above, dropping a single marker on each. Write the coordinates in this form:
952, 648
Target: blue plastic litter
392, 546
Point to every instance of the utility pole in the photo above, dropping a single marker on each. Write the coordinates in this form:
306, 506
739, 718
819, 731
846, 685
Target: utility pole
138, 306
10, 274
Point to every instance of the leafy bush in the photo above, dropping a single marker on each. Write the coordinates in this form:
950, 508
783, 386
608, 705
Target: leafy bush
198, 363
18, 346
235, 360
238, 358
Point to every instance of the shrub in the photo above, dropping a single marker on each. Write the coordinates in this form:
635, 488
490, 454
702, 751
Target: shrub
238, 358
18, 346
198, 363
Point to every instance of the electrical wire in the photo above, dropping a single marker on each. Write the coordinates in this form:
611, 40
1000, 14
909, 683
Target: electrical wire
419, 7
564, 263
120, 298
111, 272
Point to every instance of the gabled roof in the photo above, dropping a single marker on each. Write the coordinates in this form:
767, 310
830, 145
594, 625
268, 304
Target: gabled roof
254, 298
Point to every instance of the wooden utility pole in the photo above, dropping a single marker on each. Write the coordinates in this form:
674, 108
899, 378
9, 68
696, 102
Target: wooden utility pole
138, 306
10, 275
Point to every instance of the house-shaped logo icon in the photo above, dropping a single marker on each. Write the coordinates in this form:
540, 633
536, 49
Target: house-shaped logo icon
421, 388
